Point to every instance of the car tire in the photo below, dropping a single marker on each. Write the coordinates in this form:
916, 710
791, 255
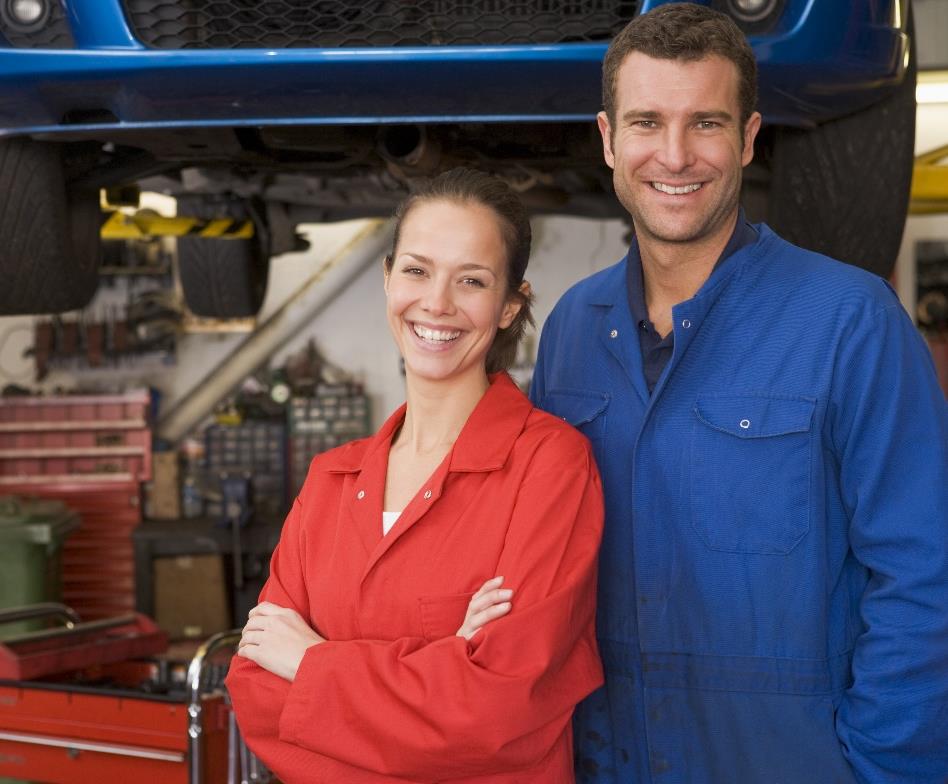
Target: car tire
842, 189
223, 279
49, 256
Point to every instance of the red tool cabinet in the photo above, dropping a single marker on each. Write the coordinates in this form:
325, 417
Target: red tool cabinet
86, 715
91, 452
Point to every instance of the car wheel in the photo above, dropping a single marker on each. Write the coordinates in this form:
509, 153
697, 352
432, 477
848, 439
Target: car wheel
49, 256
223, 278
843, 188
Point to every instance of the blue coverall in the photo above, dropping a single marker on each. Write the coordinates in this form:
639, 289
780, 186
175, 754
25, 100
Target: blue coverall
773, 597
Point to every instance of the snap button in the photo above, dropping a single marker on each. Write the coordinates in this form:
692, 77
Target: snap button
427, 494
745, 423
360, 495
686, 324
614, 333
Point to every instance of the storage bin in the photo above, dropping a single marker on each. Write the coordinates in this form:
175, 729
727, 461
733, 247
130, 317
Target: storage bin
32, 532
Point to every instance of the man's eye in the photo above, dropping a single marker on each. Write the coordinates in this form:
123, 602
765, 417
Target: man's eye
645, 124
707, 125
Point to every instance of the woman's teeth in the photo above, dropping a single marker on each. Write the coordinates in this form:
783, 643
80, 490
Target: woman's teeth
435, 335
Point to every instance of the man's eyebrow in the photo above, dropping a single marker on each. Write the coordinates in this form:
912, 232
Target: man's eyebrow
719, 114
640, 114
632, 115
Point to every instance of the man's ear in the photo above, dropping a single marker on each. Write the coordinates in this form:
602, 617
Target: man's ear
751, 127
605, 130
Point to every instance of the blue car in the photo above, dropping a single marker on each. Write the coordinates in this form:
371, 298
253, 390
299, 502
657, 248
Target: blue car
292, 111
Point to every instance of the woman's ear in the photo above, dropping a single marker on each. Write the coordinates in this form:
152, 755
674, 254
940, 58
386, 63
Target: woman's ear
514, 304
386, 272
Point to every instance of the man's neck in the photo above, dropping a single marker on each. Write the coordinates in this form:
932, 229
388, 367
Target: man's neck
672, 272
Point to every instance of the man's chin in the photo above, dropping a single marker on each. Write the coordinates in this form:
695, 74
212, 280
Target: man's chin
672, 234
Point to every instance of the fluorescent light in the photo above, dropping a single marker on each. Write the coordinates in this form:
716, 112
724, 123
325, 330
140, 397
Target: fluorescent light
932, 87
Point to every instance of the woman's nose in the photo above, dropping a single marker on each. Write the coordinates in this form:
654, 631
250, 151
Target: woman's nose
437, 298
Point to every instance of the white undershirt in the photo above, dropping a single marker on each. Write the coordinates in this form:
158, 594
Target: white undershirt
388, 520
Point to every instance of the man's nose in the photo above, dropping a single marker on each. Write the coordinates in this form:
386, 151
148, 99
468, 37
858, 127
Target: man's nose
675, 153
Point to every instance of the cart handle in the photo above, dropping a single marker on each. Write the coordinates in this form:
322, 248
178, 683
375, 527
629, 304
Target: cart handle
195, 671
41, 610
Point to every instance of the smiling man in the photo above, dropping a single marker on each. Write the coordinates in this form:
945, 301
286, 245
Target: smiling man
773, 600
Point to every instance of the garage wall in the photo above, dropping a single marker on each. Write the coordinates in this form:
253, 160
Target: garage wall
352, 332
931, 132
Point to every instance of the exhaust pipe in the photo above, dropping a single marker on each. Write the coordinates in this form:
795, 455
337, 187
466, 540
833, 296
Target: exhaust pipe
410, 148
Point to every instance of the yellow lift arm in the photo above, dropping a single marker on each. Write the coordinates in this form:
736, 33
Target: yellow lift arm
930, 183
146, 223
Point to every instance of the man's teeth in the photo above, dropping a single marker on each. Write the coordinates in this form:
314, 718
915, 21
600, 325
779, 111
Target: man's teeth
661, 186
438, 335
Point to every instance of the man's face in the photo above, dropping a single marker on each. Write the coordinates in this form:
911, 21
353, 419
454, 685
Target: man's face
677, 149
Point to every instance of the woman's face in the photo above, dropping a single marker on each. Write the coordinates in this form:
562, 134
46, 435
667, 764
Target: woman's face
447, 289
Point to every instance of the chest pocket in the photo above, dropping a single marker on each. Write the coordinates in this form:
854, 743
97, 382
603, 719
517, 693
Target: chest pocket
750, 471
442, 616
584, 410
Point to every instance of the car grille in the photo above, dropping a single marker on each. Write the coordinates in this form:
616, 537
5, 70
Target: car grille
279, 24
54, 34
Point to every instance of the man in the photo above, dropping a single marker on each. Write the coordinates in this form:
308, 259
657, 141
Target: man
773, 602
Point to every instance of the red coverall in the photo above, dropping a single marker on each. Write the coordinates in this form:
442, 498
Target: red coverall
395, 695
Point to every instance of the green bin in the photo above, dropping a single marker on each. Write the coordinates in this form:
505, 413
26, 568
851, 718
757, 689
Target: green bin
32, 532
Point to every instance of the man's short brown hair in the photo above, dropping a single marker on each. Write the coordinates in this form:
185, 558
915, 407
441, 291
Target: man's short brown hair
682, 31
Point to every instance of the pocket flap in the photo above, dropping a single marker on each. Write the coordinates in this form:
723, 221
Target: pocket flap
756, 415
442, 616
575, 406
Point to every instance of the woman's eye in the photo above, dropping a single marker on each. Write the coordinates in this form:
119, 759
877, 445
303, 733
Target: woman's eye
413, 271
474, 282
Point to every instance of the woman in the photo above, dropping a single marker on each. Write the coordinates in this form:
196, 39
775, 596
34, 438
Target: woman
381, 651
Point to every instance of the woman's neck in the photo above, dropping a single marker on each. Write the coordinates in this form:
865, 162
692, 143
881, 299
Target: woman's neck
437, 410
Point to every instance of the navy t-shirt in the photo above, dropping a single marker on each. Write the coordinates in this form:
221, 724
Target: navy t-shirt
657, 350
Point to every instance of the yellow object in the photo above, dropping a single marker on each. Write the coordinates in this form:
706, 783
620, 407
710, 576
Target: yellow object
930, 183
146, 223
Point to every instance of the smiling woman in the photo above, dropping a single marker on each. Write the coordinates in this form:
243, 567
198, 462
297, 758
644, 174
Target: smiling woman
450, 302
479, 204
430, 608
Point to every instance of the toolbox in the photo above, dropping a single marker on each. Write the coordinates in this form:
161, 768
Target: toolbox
83, 706
75, 440
91, 452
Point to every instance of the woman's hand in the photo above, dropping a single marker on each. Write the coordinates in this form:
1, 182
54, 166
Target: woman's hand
276, 638
489, 603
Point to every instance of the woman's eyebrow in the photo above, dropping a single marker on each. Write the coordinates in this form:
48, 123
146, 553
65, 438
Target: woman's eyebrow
415, 256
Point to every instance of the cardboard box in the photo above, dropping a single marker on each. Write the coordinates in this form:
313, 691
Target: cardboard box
190, 596
164, 499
